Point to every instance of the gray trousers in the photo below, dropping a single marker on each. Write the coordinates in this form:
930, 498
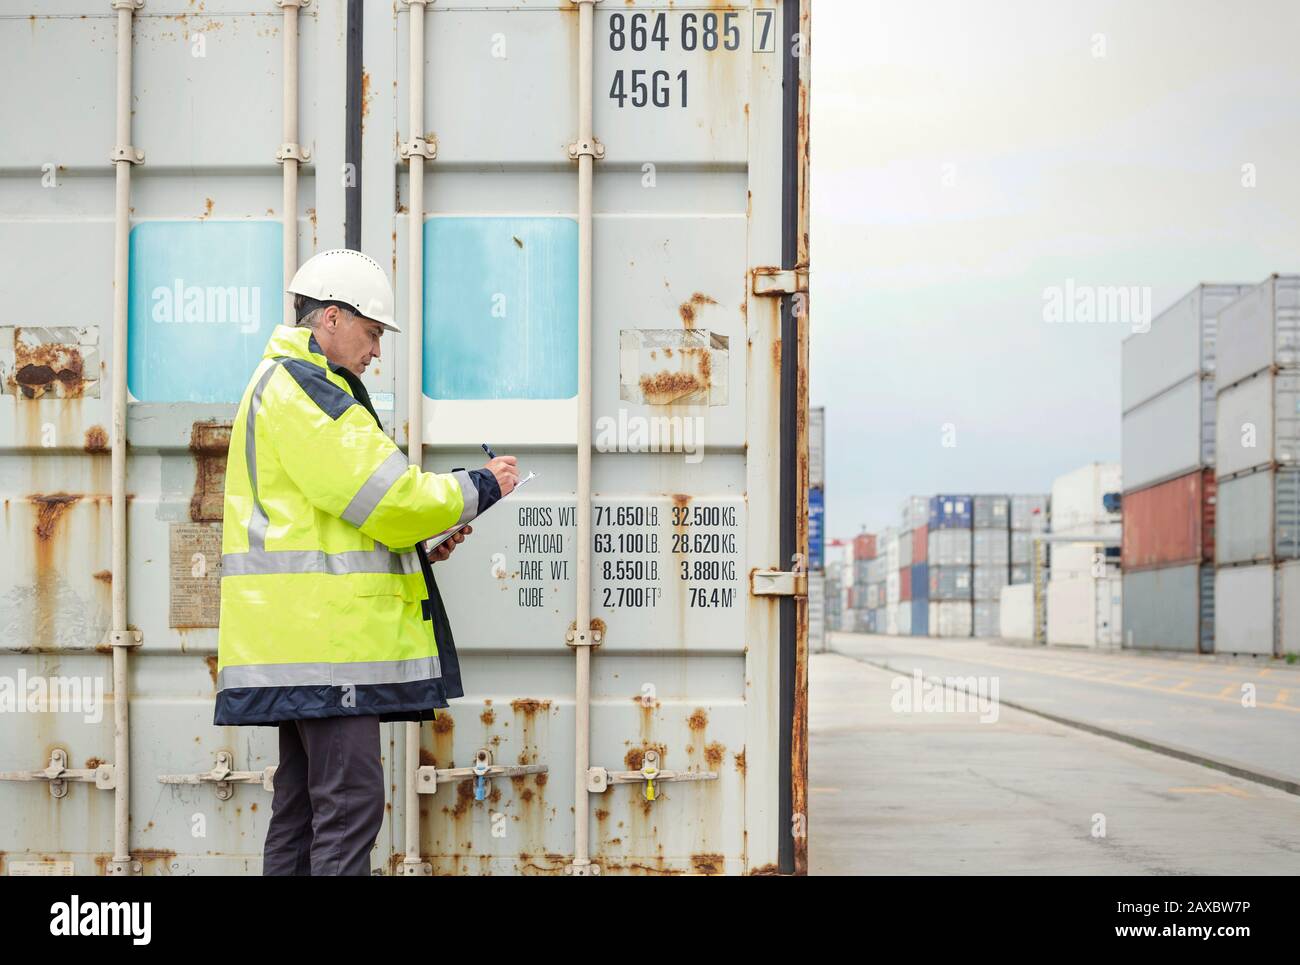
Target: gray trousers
329, 798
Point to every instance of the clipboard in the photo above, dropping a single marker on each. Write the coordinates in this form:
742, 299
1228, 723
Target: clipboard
433, 542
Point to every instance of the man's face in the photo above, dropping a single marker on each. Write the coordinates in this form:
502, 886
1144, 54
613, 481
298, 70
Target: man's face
347, 339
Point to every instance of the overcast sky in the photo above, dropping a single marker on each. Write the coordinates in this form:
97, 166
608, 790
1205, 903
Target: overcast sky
969, 156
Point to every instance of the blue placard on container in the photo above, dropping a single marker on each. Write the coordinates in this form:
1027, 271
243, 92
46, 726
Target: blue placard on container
501, 308
816, 511
203, 299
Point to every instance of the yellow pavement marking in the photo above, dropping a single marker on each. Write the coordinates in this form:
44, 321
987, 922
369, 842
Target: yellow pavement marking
1230, 689
1182, 685
1212, 789
1282, 697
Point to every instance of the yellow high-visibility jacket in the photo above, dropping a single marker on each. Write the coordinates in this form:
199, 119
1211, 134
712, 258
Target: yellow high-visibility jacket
321, 587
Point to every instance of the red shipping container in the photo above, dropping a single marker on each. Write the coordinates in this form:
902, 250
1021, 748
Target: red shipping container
920, 544
905, 584
864, 546
1170, 524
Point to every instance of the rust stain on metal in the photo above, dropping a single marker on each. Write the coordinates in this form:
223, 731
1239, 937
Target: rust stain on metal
664, 387
488, 717
699, 719
707, 864
50, 510
96, 439
426, 758
740, 761
211, 661
93, 762
47, 368
104, 576
635, 757
210, 443
713, 754
688, 308
444, 723
765, 869
207, 208
529, 706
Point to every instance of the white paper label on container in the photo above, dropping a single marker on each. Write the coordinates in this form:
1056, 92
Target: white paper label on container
54, 869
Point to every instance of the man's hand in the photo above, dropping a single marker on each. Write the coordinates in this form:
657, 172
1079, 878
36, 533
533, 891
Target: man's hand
506, 470
444, 549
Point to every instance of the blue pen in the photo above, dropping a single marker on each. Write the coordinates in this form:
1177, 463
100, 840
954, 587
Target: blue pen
488, 450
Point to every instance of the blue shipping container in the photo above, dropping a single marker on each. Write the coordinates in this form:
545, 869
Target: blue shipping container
950, 512
920, 582
920, 618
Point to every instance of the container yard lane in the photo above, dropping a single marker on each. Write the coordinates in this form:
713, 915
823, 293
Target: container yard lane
905, 779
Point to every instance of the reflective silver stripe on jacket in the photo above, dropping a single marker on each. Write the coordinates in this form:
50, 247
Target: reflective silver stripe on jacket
330, 674
470, 493
374, 489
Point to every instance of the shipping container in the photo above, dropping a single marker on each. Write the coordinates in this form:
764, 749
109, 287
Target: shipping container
1022, 548
1170, 524
891, 620
890, 555
1288, 604
1258, 517
1170, 609
1072, 561
892, 587
1180, 343
904, 550
1029, 512
874, 595
876, 570
1259, 422
905, 584
1016, 613
920, 581
1171, 435
1077, 499
920, 618
1260, 330
1023, 573
991, 547
1244, 609
950, 547
991, 512
950, 619
950, 582
986, 620
903, 619
816, 612
880, 619
916, 512
1085, 612
920, 544
988, 581
949, 512
526, 322
864, 546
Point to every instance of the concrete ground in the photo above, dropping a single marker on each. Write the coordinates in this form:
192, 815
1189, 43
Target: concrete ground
940, 792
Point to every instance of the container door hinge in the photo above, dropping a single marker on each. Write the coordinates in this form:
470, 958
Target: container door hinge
780, 281
779, 583
223, 777
649, 776
427, 778
59, 774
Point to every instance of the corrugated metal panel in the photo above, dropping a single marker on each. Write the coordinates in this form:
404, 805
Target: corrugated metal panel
499, 219
1162, 608
992, 512
920, 544
1170, 435
1072, 611
920, 618
1077, 495
987, 621
1260, 330
950, 547
1258, 422
890, 555
1016, 613
950, 582
992, 547
920, 581
1022, 548
1029, 512
1022, 574
950, 619
950, 512
1244, 613
1207, 609
891, 587
905, 584
864, 546
1288, 593
1170, 524
988, 581
903, 619
904, 550
916, 512
1244, 522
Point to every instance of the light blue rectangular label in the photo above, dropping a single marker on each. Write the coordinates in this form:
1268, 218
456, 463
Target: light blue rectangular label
203, 299
501, 308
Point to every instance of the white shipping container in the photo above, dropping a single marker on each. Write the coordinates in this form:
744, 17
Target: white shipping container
1180, 343
1077, 495
949, 547
904, 549
891, 550
1074, 561
816, 612
539, 285
1260, 330
1016, 612
986, 621
1244, 601
891, 620
903, 619
951, 619
892, 587
1169, 435
1258, 422
1288, 604
1085, 612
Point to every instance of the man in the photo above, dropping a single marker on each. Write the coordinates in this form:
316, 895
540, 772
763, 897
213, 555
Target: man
330, 619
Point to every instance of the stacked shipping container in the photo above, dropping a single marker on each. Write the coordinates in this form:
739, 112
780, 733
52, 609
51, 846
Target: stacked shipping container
1257, 519
1168, 445
991, 553
1084, 591
950, 566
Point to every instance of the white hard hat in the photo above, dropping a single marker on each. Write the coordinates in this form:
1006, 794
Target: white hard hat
342, 275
